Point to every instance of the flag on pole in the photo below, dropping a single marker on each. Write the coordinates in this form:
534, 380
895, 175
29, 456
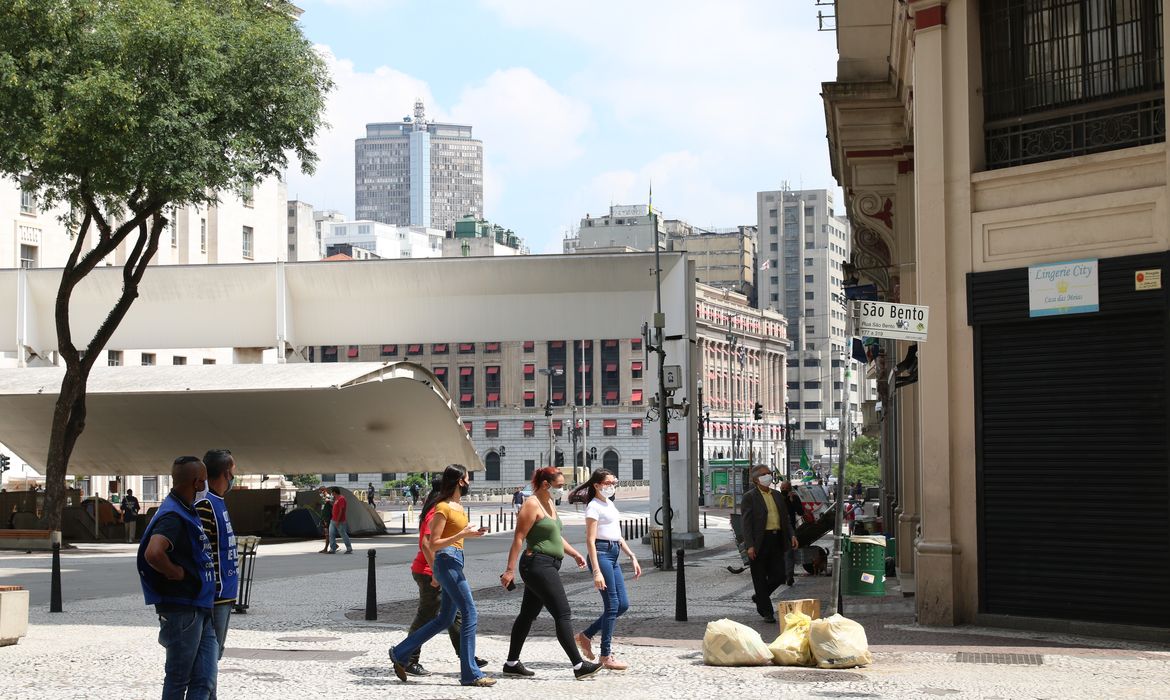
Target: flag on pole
766, 265
650, 204
804, 463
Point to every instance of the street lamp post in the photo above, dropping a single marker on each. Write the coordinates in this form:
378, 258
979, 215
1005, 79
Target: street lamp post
549, 373
702, 453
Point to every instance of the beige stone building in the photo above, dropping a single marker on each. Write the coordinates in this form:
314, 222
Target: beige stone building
1004, 163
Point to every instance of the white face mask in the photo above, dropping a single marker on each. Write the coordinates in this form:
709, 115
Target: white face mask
608, 491
766, 480
556, 493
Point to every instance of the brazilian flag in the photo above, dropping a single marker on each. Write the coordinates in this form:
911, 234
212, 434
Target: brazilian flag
804, 463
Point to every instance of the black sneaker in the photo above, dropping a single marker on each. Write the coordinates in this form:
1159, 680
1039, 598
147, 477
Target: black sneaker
518, 670
399, 669
414, 668
588, 668
480, 662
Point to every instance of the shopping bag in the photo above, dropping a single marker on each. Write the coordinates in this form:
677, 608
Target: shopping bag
838, 642
791, 647
728, 643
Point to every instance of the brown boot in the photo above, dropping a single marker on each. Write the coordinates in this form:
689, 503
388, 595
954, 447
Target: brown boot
610, 662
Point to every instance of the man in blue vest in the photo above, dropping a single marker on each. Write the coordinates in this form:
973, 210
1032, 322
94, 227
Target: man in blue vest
178, 579
221, 473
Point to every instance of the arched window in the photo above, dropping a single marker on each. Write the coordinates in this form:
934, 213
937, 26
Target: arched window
610, 462
560, 460
491, 465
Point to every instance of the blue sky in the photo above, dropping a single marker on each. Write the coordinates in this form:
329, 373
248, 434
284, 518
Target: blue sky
582, 104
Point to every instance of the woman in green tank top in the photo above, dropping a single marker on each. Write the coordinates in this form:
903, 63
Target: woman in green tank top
540, 546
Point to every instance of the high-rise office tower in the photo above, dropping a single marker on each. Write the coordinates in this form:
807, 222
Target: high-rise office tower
803, 247
418, 173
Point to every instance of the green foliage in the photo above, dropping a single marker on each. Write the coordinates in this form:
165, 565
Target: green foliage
147, 103
303, 481
863, 462
423, 482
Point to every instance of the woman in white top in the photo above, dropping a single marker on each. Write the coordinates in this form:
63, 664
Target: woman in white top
603, 535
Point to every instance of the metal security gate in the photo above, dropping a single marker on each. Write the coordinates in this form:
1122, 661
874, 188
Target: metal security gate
1073, 453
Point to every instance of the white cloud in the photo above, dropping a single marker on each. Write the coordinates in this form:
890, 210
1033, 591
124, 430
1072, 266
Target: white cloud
523, 121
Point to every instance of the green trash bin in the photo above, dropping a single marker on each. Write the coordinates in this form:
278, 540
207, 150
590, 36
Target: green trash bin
892, 548
864, 569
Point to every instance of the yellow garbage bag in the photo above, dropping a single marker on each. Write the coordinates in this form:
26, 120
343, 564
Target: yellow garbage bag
838, 642
728, 643
791, 648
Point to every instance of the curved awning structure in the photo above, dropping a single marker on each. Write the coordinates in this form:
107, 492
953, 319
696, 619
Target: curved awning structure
283, 418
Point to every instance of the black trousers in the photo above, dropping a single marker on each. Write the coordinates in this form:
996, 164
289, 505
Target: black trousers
543, 589
429, 599
769, 571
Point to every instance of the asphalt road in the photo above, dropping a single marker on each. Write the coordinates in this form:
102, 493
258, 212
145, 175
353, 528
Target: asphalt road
95, 571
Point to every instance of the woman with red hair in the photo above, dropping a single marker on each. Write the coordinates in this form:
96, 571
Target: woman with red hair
538, 534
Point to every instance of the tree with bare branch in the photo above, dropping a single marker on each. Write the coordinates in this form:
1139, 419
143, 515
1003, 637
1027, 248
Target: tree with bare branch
119, 110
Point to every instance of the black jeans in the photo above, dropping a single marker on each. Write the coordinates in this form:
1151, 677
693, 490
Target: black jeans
769, 571
543, 588
429, 599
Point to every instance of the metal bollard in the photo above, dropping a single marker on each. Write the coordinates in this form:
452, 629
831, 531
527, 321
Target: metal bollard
481, 522
704, 520
513, 521
55, 590
371, 589
680, 591
403, 524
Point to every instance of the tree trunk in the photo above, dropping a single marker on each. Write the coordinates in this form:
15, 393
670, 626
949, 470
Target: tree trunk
68, 422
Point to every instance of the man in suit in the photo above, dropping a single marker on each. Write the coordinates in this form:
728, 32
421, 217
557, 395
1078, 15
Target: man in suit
768, 534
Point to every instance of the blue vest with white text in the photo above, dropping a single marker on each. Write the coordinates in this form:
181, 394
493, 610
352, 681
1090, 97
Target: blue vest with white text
155, 587
225, 550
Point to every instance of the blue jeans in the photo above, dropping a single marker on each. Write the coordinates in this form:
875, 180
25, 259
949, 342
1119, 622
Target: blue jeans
614, 596
334, 528
221, 614
456, 592
191, 668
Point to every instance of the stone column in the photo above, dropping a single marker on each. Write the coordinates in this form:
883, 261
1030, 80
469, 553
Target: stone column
937, 592
906, 398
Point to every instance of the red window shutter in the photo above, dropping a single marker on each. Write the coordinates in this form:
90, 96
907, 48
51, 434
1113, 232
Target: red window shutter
610, 366
491, 425
467, 427
493, 397
465, 371
557, 344
637, 366
352, 352
529, 345
610, 423
494, 369
530, 395
636, 396
440, 371
610, 395
557, 424
465, 397
529, 425
389, 349
558, 395
636, 424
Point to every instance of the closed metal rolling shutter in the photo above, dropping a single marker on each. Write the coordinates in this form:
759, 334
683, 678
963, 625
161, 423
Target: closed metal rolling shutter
1073, 452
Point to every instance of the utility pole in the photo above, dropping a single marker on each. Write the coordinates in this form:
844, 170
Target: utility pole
787, 442
702, 452
584, 420
663, 415
850, 324
575, 430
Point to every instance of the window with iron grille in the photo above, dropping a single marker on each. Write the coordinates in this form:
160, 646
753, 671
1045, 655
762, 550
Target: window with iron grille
1064, 78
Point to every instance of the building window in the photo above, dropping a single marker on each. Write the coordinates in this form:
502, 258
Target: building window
636, 344
466, 348
441, 375
809, 279
114, 358
28, 198
491, 428
248, 194
636, 369
28, 256
610, 462
609, 427
203, 235
328, 477
529, 428
1064, 78
389, 351
636, 427
492, 385
148, 359
558, 428
813, 405
491, 466
637, 470
178, 360
529, 346
414, 350
469, 427
774, 247
636, 397
438, 349
491, 348
353, 476
529, 469
529, 372
211, 361
466, 387
246, 243
329, 353
352, 351
529, 399
812, 425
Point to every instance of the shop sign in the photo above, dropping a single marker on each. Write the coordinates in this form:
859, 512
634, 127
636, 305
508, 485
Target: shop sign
1056, 289
1146, 280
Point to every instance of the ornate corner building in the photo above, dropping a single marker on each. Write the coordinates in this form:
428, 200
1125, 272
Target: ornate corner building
980, 143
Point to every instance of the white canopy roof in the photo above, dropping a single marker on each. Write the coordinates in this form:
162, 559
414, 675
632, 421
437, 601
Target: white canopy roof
287, 418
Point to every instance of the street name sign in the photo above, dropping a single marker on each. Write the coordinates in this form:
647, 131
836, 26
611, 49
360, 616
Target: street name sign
883, 319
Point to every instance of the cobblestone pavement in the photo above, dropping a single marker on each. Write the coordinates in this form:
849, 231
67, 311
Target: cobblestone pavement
306, 637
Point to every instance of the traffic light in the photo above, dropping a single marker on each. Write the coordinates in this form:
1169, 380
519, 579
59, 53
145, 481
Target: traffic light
548, 410
4, 460
758, 411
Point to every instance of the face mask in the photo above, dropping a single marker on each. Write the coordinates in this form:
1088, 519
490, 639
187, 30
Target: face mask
464, 489
766, 480
608, 491
556, 493
231, 482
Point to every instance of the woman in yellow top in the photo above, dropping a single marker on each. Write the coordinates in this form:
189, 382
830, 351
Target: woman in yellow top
449, 527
